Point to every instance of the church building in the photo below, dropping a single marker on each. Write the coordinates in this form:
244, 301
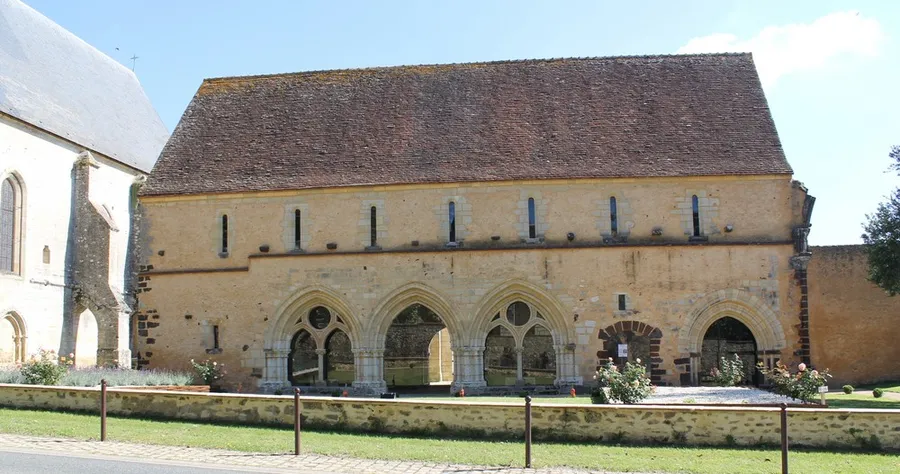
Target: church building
488, 226
77, 134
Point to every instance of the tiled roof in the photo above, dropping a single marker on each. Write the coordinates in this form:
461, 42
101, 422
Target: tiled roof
682, 115
54, 81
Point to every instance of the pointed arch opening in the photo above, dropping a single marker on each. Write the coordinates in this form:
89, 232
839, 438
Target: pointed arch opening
725, 338
12, 199
303, 363
12, 339
416, 348
339, 364
519, 348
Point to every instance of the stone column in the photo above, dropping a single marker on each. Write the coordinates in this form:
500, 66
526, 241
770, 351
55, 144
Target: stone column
275, 373
468, 368
566, 370
695, 369
320, 378
369, 365
520, 376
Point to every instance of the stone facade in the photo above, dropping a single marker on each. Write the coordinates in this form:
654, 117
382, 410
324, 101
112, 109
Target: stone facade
674, 287
71, 288
854, 325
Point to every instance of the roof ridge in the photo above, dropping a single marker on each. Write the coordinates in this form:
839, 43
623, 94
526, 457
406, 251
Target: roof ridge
470, 63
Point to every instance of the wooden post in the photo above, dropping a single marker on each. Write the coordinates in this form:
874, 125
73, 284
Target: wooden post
784, 439
296, 421
103, 410
528, 431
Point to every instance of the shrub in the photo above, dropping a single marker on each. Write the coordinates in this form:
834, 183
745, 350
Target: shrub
848, 389
209, 371
11, 374
629, 386
804, 385
731, 372
118, 377
877, 393
46, 369
598, 396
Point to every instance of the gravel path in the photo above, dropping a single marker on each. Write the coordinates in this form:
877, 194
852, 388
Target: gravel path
714, 395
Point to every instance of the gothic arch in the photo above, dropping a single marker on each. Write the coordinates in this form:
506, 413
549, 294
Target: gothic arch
20, 334
739, 304
497, 300
17, 237
750, 310
403, 297
285, 322
505, 294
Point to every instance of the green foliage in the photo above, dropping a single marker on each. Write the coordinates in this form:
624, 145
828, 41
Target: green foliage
46, 369
803, 385
731, 372
11, 375
848, 389
598, 396
882, 238
209, 371
877, 393
119, 377
629, 386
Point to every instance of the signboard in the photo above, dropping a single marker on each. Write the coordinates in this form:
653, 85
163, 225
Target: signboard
623, 350
823, 389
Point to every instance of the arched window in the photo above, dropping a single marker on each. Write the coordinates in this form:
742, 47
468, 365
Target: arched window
10, 224
373, 224
695, 206
297, 234
532, 220
224, 233
519, 349
452, 211
613, 217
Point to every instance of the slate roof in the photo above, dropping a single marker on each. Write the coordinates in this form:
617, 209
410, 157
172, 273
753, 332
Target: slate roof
53, 80
680, 115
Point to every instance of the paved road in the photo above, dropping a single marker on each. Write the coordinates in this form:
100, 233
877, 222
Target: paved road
33, 462
34, 454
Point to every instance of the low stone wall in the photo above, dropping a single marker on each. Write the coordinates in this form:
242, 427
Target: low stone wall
699, 425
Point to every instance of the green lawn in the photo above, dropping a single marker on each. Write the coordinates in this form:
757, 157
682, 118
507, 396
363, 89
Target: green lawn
497, 453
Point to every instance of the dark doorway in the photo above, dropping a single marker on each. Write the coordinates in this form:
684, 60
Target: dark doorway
724, 338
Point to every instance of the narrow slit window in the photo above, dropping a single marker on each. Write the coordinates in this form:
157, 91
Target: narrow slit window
297, 228
374, 226
622, 305
224, 233
215, 337
8, 226
613, 217
695, 206
532, 218
452, 211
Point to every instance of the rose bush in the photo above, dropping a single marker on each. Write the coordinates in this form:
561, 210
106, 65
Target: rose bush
802, 385
629, 385
731, 372
209, 371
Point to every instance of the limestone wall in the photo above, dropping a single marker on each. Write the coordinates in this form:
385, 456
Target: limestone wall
854, 325
37, 294
636, 423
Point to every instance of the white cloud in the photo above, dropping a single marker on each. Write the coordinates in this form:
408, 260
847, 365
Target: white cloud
781, 50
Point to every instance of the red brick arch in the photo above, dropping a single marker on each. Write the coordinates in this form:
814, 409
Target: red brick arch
622, 331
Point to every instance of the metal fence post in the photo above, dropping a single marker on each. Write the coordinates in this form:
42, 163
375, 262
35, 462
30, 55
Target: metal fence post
296, 422
103, 410
784, 439
528, 431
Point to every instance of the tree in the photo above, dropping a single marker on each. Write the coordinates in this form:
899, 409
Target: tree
882, 238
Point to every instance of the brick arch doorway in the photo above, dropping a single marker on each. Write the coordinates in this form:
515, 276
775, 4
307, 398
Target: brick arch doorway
640, 341
417, 350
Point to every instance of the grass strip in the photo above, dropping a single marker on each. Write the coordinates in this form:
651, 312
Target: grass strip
493, 453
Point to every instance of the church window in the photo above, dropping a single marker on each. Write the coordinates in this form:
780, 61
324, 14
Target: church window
224, 233
452, 211
695, 206
613, 217
622, 302
297, 229
10, 224
532, 218
215, 337
373, 225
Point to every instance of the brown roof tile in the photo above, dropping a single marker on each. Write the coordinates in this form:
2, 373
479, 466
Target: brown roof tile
686, 115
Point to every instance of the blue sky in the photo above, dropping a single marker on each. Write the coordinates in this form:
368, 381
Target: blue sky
830, 68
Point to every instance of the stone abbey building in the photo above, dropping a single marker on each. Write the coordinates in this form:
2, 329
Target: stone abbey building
485, 225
